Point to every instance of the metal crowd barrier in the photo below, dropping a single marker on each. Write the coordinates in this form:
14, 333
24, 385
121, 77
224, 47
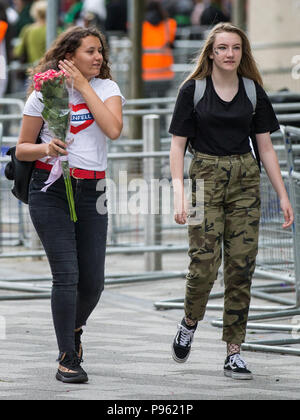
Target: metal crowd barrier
12, 212
291, 135
143, 230
152, 235
278, 260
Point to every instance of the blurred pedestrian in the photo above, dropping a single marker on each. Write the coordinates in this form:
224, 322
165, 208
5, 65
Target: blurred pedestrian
218, 128
24, 18
32, 39
3, 48
214, 14
158, 36
94, 13
76, 251
11, 13
116, 19
197, 12
179, 10
72, 17
65, 5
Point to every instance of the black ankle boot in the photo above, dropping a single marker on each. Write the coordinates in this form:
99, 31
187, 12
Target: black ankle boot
78, 345
71, 371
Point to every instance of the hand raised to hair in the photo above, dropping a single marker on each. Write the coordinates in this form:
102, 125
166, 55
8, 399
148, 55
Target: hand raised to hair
73, 75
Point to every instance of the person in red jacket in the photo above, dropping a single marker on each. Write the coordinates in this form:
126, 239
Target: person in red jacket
158, 37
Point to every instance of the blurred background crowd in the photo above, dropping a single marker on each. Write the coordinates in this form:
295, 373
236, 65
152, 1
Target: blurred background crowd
23, 25
172, 28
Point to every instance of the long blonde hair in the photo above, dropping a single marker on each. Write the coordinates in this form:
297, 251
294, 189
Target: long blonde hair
204, 63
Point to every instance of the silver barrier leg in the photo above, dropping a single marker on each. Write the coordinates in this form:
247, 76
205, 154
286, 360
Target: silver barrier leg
152, 171
1, 192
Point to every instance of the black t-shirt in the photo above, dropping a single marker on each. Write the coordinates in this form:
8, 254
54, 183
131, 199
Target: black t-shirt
221, 128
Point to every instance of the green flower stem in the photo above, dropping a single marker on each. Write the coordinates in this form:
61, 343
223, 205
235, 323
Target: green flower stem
69, 190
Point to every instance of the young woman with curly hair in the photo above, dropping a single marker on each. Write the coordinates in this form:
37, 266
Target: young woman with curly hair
76, 251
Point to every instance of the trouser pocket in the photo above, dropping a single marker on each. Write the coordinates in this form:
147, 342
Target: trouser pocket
203, 178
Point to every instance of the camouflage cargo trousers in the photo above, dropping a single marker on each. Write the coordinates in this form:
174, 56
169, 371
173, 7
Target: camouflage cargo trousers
231, 218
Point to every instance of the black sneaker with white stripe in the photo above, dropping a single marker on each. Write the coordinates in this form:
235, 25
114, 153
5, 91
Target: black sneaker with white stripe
181, 347
235, 367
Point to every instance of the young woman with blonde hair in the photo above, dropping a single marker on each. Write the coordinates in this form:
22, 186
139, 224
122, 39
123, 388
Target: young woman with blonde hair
218, 130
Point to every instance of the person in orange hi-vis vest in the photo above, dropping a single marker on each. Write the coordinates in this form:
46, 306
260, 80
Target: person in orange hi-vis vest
158, 36
3, 29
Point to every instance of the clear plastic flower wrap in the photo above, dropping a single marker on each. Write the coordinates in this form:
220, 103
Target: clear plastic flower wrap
57, 113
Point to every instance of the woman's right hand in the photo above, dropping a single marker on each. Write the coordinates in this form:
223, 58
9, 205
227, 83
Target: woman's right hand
180, 209
177, 170
180, 218
56, 148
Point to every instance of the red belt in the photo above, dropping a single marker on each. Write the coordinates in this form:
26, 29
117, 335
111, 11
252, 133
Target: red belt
74, 172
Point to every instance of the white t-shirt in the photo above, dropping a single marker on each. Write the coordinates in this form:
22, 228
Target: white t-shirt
88, 150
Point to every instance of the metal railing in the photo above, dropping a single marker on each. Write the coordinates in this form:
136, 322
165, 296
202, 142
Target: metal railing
150, 235
278, 346
278, 260
122, 150
143, 230
12, 213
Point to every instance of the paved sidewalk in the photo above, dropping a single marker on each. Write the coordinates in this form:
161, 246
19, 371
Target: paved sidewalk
127, 352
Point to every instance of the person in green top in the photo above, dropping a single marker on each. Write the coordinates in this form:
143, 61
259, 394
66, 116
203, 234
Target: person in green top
73, 13
32, 39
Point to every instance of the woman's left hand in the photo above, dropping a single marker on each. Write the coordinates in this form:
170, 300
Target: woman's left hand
287, 212
73, 74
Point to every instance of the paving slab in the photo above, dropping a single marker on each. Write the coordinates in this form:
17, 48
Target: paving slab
127, 346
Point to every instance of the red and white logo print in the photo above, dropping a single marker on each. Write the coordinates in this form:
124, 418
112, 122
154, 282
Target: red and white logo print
81, 118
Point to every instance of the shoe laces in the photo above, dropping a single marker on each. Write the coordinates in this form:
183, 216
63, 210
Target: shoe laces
73, 360
237, 360
185, 336
76, 361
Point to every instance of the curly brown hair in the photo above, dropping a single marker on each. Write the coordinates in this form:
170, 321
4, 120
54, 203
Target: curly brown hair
68, 42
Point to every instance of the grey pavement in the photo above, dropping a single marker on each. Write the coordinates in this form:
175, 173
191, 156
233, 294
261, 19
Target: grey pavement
127, 347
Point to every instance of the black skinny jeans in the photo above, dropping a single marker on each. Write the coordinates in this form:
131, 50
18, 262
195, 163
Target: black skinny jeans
76, 251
